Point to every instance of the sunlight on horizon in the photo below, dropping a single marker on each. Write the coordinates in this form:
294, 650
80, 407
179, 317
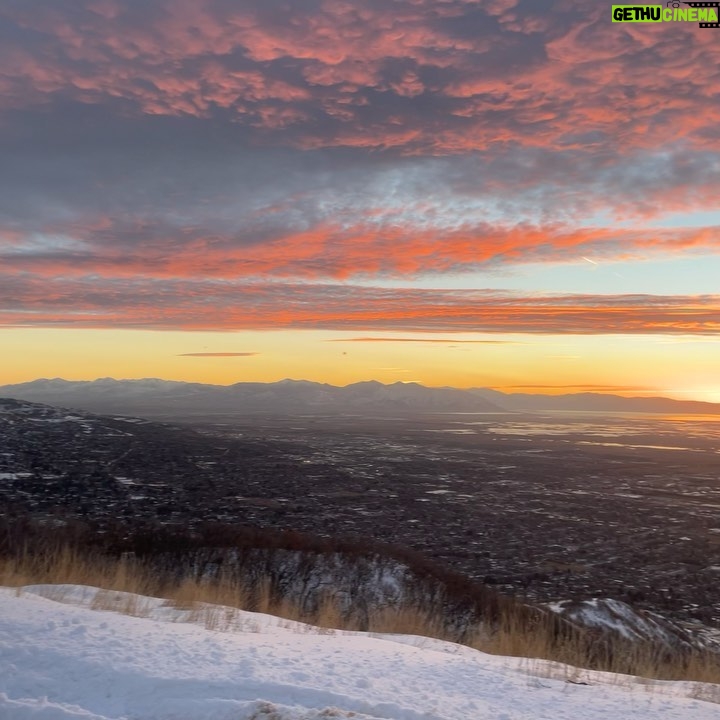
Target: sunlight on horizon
628, 366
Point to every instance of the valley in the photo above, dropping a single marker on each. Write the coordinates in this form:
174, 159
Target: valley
547, 507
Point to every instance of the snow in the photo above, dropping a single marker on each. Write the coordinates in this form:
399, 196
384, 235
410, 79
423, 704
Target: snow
65, 659
632, 624
611, 614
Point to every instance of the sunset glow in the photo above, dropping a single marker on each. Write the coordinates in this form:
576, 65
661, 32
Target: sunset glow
474, 193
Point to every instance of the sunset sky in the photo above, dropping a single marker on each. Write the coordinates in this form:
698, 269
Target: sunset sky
506, 193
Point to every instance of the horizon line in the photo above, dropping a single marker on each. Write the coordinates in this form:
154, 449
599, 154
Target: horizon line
579, 389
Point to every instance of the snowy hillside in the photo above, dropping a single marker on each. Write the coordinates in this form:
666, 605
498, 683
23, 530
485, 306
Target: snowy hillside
637, 625
80, 660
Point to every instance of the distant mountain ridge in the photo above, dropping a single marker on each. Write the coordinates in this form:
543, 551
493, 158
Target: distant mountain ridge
596, 402
153, 397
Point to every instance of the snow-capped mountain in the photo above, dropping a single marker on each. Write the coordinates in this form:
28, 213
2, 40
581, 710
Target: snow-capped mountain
153, 397
160, 397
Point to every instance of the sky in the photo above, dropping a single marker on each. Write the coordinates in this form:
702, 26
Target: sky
504, 193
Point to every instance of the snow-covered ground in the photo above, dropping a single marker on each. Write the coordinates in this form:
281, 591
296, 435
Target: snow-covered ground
65, 659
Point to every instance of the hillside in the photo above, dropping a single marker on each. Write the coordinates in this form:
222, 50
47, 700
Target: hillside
79, 660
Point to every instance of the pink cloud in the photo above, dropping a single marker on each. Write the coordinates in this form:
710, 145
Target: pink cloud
634, 84
330, 250
203, 305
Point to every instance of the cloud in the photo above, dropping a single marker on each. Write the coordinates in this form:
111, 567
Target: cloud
218, 355
119, 249
423, 340
582, 387
165, 160
194, 305
97, 192
415, 75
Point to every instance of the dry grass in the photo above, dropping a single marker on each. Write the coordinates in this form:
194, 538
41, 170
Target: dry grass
66, 565
409, 621
189, 592
586, 649
512, 636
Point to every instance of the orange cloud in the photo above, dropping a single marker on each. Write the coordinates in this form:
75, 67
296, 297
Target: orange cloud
331, 251
218, 355
445, 341
583, 387
222, 305
229, 142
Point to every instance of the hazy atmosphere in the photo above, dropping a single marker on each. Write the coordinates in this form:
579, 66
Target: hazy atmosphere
498, 193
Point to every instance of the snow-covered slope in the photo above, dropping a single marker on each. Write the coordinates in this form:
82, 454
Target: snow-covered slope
637, 625
71, 661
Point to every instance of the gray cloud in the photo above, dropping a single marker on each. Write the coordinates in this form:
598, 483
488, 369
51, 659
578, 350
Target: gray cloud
149, 146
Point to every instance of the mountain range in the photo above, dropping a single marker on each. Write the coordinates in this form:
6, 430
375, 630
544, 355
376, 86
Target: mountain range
152, 397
